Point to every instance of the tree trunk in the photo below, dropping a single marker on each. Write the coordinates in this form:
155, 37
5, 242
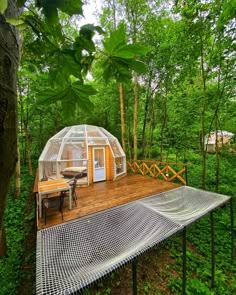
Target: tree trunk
28, 148
163, 126
122, 116
147, 99
203, 150
217, 155
135, 119
9, 59
203, 119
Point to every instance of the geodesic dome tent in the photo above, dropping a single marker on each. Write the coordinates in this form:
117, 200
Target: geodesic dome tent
89, 152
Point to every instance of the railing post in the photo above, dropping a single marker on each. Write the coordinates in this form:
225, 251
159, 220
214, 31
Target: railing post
212, 251
184, 248
167, 171
186, 173
232, 228
134, 276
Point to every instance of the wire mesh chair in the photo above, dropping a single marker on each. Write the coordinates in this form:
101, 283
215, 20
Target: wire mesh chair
53, 202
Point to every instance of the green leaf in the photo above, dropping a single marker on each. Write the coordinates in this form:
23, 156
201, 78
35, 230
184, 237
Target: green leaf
132, 50
49, 96
72, 96
138, 66
116, 40
3, 6
15, 21
70, 7
91, 28
66, 64
49, 10
84, 89
21, 3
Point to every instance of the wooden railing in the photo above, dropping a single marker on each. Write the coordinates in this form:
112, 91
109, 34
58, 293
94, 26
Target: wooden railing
162, 170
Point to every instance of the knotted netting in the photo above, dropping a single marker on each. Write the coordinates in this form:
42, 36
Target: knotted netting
73, 255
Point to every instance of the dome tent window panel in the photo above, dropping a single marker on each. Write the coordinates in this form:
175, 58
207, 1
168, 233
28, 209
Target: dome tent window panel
74, 151
116, 148
62, 133
51, 150
93, 131
106, 133
120, 165
97, 141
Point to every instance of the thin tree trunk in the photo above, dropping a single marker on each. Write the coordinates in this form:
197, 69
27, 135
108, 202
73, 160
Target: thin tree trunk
146, 114
122, 116
135, 119
163, 129
28, 149
217, 155
9, 60
203, 119
151, 129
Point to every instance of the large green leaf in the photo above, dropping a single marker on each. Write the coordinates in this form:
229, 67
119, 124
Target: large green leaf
90, 28
49, 95
83, 90
21, 3
132, 51
116, 40
50, 10
70, 6
72, 96
66, 63
3, 5
138, 66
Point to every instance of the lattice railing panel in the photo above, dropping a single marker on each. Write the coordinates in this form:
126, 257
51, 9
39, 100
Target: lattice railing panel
165, 171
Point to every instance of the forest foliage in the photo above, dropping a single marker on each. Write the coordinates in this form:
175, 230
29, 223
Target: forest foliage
175, 61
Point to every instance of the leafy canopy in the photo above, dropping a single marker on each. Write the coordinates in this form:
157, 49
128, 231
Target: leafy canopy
120, 58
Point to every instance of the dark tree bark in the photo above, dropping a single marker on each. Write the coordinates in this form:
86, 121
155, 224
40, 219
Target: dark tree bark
9, 59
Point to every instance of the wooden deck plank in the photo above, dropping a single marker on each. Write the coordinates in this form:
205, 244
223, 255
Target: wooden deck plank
104, 195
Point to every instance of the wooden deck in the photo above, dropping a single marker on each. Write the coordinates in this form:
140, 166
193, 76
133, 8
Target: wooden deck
104, 195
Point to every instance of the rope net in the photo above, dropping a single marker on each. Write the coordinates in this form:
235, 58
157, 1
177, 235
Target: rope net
73, 255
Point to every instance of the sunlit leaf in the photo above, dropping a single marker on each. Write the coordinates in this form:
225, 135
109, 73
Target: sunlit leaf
3, 6
15, 21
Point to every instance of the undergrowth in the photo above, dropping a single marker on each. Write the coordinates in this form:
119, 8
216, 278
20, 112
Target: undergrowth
17, 266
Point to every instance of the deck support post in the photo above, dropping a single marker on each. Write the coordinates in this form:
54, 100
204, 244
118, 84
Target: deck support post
184, 249
232, 228
134, 276
212, 251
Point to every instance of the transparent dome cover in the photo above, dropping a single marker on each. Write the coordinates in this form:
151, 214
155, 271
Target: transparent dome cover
71, 144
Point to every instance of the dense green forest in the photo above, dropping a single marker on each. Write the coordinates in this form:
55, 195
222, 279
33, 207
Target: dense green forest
160, 76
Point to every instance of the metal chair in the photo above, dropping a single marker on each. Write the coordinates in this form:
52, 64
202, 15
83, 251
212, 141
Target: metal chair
53, 202
73, 184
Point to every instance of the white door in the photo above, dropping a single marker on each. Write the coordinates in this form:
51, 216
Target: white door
99, 168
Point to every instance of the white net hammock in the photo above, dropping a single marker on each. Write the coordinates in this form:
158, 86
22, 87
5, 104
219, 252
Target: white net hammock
73, 255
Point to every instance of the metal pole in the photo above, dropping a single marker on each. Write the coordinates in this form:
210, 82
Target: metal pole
212, 251
232, 228
134, 276
184, 248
